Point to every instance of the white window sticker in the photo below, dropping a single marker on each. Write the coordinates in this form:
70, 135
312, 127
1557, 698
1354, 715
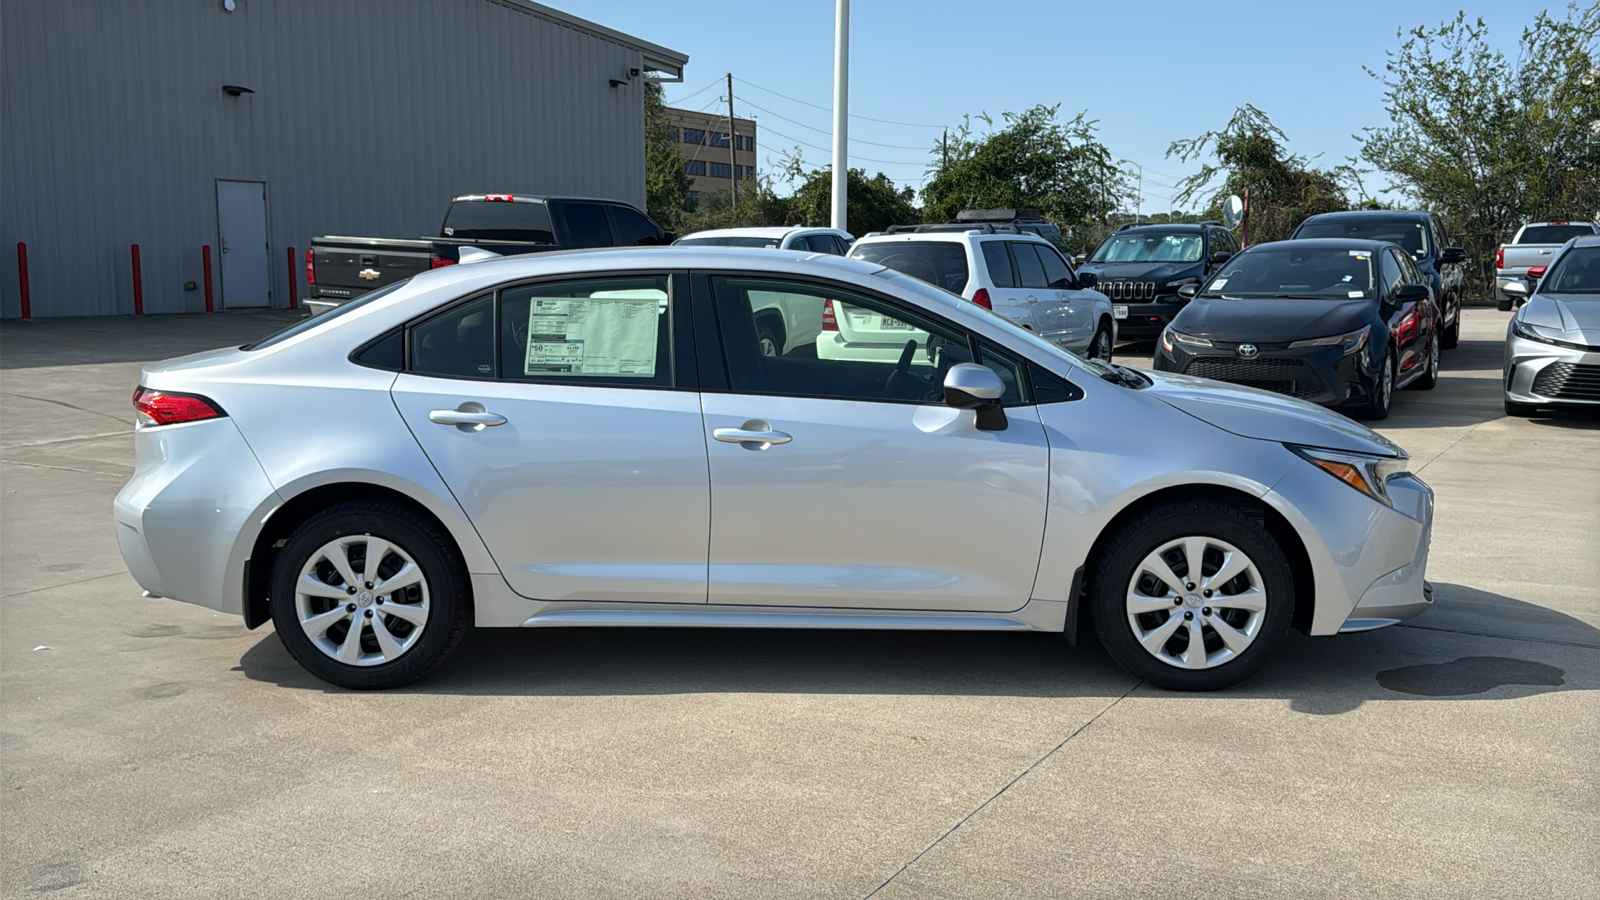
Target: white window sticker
593, 336
1219, 282
1356, 295
1360, 254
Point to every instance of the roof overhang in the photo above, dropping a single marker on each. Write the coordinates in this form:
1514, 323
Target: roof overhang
667, 65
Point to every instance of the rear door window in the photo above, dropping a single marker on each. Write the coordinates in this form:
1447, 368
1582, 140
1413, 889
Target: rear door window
998, 263
800, 242
586, 225
1029, 268
633, 228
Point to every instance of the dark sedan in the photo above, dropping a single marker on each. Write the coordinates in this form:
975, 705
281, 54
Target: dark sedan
1336, 322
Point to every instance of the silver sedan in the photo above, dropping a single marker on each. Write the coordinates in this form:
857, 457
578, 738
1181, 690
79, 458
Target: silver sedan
596, 438
1553, 341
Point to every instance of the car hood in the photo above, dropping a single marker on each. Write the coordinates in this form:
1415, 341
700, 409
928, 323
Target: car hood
1576, 314
1141, 271
1266, 416
1271, 321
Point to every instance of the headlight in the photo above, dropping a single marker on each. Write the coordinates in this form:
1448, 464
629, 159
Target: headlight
1368, 474
1183, 281
1534, 333
1168, 336
1351, 342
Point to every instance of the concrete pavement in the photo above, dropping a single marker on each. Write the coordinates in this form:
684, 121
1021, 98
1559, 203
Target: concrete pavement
153, 748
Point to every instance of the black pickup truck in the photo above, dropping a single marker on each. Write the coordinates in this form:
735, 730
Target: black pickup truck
341, 268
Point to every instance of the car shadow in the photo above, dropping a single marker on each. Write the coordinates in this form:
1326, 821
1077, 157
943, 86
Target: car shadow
1319, 676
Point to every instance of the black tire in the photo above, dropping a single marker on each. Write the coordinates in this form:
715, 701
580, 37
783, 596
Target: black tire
769, 336
1520, 410
1430, 379
1100, 346
1149, 531
1383, 392
444, 577
1452, 331
1503, 304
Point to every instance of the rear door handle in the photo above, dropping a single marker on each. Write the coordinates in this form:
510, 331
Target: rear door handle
469, 416
752, 435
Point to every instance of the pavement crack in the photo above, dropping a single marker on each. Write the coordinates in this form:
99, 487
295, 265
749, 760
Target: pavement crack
81, 409
66, 440
1452, 446
52, 587
18, 462
1503, 637
997, 794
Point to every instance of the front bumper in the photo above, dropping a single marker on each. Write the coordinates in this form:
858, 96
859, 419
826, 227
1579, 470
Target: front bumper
1540, 374
1147, 319
1368, 559
1323, 375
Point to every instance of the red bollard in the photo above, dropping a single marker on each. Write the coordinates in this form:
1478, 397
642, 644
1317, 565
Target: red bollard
138, 284
294, 283
22, 279
205, 267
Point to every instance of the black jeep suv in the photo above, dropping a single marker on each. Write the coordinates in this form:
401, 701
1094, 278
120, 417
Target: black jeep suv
1141, 267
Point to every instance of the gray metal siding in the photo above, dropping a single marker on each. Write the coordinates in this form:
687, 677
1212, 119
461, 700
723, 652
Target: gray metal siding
367, 116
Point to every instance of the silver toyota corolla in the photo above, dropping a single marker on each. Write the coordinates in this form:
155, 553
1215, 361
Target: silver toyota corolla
1553, 341
596, 438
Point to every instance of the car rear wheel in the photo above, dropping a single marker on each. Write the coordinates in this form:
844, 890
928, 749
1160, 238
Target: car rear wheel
368, 594
1192, 596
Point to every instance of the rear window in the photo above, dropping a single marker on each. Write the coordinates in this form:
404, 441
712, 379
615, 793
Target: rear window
498, 220
762, 242
1411, 234
307, 324
942, 264
1552, 234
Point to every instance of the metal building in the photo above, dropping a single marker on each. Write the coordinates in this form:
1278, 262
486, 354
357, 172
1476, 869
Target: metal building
247, 126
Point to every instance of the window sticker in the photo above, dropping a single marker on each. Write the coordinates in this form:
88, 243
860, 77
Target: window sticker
1356, 295
1361, 254
594, 335
1220, 282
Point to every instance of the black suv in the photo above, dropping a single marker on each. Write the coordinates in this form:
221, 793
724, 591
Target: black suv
1140, 268
1422, 235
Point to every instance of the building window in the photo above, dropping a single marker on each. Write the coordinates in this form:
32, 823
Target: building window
743, 172
719, 139
692, 198
694, 135
695, 167
721, 170
744, 142
674, 130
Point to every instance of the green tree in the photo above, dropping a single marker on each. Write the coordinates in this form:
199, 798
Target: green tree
1035, 160
1488, 141
666, 184
873, 203
1249, 154
759, 204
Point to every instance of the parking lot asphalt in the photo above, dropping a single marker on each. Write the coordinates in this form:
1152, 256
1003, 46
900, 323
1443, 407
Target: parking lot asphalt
150, 748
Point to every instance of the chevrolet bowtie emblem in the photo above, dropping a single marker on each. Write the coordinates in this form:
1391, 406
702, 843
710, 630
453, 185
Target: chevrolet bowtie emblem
369, 274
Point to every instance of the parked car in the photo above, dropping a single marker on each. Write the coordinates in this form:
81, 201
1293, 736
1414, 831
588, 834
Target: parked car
1553, 341
1141, 267
1019, 276
1526, 258
596, 439
1422, 234
800, 237
1336, 322
342, 268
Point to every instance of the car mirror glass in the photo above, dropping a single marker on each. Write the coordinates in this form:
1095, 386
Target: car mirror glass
1188, 291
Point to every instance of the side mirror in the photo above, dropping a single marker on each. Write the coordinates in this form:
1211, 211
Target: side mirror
1412, 293
1449, 256
975, 387
1080, 259
1188, 291
1218, 257
1088, 280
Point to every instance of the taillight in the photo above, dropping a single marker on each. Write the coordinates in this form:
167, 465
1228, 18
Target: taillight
1536, 272
1500, 258
829, 323
311, 273
1406, 329
501, 198
170, 407
439, 262
982, 298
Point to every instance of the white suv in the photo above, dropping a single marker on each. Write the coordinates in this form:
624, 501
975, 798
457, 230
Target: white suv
814, 240
1019, 276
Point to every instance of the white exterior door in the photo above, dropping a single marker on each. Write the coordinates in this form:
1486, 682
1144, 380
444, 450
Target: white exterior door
242, 232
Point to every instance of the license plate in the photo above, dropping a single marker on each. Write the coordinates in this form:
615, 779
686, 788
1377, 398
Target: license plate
1120, 312
889, 324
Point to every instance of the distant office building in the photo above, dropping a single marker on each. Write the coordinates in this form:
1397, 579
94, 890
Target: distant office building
703, 140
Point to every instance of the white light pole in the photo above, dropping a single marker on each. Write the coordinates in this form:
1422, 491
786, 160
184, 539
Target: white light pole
841, 111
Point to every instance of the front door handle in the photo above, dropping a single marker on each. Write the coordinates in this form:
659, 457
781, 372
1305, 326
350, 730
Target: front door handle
469, 416
1033, 299
752, 435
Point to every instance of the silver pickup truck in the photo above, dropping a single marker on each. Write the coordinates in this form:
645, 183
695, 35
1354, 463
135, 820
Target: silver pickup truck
1533, 248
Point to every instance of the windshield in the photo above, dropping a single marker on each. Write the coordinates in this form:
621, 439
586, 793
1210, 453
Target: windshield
761, 242
942, 264
1552, 234
306, 324
1576, 272
940, 298
1290, 272
1146, 246
1408, 233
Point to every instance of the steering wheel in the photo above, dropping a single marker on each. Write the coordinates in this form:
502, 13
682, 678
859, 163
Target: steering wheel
902, 369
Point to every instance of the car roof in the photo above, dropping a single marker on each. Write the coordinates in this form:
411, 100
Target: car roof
1586, 240
951, 237
1330, 244
1195, 227
1372, 214
763, 231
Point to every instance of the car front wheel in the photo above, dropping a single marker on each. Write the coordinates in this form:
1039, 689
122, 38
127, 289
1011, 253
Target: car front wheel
1100, 347
368, 594
1452, 332
1192, 596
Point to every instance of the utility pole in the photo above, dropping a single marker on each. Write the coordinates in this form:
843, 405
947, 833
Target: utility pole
841, 111
944, 151
733, 142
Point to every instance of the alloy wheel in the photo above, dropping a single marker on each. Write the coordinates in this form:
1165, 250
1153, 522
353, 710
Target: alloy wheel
1387, 386
1102, 346
1196, 602
362, 600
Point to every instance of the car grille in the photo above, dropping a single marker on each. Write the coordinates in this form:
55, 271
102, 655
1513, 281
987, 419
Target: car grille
1281, 376
1568, 381
1128, 290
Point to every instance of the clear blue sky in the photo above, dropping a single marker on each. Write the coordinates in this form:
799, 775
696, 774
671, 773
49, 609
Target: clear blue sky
1151, 72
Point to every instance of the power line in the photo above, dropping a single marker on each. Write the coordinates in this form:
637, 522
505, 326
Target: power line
853, 157
830, 109
708, 87
748, 102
